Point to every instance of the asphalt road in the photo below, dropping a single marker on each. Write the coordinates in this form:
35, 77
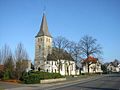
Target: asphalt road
103, 82
111, 82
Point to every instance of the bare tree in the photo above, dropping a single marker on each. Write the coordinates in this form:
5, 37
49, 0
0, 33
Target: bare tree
0, 57
75, 51
70, 47
20, 57
89, 47
5, 52
60, 44
7, 60
9, 66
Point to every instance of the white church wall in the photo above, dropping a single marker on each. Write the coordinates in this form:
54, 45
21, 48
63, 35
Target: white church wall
51, 66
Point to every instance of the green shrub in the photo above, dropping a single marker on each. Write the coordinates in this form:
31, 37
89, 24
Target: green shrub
46, 75
1, 74
35, 77
32, 79
6, 75
57, 75
24, 74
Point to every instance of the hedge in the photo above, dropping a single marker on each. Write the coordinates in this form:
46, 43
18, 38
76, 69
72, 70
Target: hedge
35, 77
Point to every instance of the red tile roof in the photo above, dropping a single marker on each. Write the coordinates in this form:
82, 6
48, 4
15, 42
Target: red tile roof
91, 59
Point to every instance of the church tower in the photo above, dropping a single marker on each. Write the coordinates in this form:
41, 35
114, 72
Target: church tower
43, 45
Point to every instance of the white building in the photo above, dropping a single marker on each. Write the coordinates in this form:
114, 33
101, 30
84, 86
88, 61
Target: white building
112, 67
93, 64
67, 67
43, 48
118, 68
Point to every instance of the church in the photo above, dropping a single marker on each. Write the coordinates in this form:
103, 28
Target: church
43, 54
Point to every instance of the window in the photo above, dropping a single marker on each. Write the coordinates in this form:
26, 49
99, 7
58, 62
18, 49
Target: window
39, 69
61, 67
52, 62
55, 62
47, 62
46, 39
40, 39
72, 67
39, 47
48, 49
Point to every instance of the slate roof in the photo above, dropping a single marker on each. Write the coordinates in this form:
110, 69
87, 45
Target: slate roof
43, 28
63, 56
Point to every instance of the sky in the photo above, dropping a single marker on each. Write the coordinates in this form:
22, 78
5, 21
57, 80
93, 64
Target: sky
20, 21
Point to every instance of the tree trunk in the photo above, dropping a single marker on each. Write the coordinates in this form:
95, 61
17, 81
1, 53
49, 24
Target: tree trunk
88, 68
59, 66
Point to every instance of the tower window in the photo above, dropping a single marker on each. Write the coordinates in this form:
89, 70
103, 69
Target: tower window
46, 39
39, 47
48, 49
40, 39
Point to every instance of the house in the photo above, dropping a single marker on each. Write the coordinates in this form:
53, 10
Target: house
118, 68
91, 65
113, 66
45, 59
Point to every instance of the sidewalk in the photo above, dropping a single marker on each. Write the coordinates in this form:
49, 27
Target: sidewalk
50, 86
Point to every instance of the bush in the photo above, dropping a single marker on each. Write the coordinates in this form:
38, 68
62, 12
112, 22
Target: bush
24, 74
6, 75
46, 75
1, 74
32, 79
35, 77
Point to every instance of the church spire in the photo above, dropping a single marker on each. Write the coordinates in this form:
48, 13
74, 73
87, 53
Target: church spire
43, 28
